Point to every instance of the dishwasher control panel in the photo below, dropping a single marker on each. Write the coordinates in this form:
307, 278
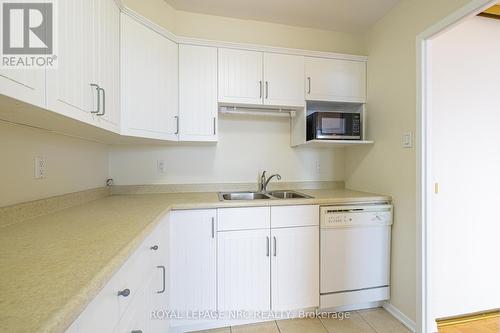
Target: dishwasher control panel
347, 216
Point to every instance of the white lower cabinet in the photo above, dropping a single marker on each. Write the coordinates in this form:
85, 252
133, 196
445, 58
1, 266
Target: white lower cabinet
126, 302
295, 268
268, 268
193, 260
244, 270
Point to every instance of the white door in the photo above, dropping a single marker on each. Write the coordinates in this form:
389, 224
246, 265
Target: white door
69, 89
197, 93
295, 268
109, 64
283, 80
149, 76
240, 76
335, 80
193, 260
244, 270
364, 263
27, 85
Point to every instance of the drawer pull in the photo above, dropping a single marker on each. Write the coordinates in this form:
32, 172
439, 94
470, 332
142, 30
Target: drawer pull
163, 270
136, 331
154, 247
124, 292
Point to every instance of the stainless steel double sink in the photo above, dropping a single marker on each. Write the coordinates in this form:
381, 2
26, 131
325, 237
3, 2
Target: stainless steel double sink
248, 195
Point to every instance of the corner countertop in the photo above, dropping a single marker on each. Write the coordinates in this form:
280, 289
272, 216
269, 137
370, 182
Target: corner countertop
52, 266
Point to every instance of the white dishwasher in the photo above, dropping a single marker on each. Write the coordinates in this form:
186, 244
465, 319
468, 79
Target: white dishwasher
355, 245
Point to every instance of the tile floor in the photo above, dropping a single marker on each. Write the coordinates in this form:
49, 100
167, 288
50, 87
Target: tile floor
363, 321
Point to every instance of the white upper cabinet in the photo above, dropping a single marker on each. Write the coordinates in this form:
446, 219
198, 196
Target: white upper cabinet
72, 87
283, 80
149, 77
85, 85
27, 85
257, 78
197, 93
240, 77
109, 64
335, 80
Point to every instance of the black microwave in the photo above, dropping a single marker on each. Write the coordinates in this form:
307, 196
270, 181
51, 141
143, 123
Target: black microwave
334, 126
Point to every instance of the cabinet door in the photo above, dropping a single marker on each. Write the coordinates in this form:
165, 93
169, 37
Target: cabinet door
193, 260
149, 76
197, 93
240, 76
69, 90
109, 64
295, 268
335, 80
243, 270
27, 85
283, 80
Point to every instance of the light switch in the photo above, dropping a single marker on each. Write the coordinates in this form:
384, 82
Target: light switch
407, 140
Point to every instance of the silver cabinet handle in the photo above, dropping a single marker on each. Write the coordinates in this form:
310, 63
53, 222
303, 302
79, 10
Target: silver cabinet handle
98, 89
177, 124
215, 124
136, 331
163, 270
154, 247
267, 89
309, 87
260, 89
103, 102
274, 246
213, 227
124, 292
267, 244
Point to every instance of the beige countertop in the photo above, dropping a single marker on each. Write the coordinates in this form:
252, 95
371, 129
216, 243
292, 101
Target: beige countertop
51, 266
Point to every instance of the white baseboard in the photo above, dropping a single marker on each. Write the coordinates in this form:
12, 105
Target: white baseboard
400, 316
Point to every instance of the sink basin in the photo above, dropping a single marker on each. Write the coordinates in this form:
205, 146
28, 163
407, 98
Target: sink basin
243, 196
288, 195
225, 196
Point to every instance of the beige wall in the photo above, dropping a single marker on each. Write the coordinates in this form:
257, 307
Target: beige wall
387, 167
72, 164
195, 25
246, 146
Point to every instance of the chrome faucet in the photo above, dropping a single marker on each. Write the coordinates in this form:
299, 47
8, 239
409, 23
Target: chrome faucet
263, 181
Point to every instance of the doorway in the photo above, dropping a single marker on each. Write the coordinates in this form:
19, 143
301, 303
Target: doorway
459, 160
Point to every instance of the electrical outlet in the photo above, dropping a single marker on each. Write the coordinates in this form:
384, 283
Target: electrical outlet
161, 166
40, 167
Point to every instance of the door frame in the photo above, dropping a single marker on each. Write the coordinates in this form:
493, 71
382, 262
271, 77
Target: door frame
423, 134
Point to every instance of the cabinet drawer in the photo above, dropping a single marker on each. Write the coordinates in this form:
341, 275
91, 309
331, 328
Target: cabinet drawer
294, 216
243, 218
137, 269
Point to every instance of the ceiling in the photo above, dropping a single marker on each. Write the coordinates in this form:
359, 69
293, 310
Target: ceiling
337, 15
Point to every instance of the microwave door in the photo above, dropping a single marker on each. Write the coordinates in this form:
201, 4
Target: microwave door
331, 126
